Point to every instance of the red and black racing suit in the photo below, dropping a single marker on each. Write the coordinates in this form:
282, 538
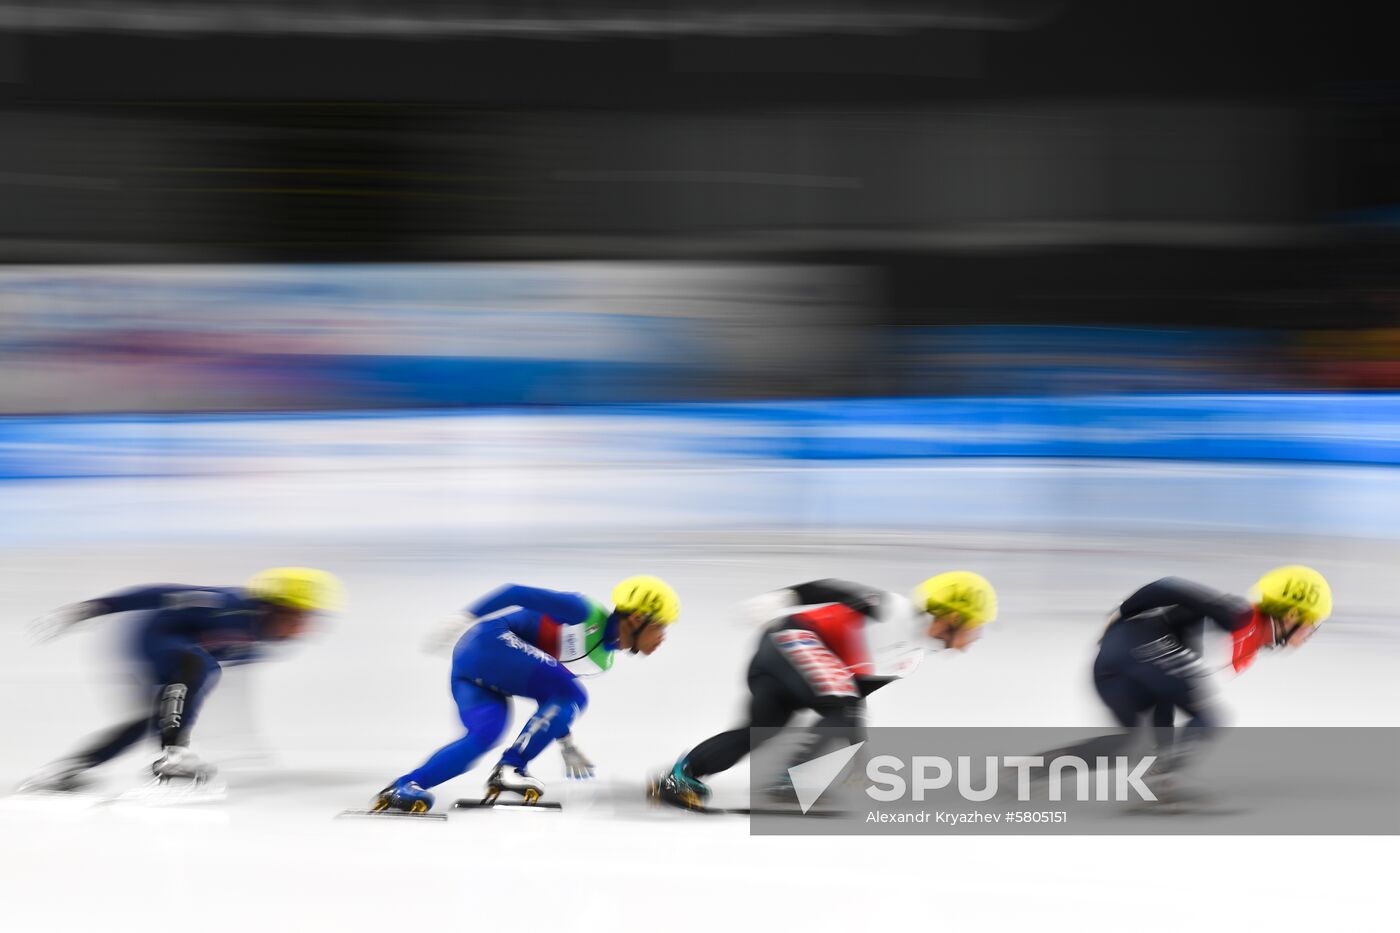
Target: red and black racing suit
809, 659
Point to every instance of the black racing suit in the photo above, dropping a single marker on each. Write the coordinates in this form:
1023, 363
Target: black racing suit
1150, 655
803, 661
1150, 660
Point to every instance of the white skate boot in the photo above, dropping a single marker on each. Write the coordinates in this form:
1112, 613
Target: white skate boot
179, 777
515, 780
181, 764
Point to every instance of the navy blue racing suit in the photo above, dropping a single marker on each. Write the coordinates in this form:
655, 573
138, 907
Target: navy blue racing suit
1150, 655
1149, 660
180, 643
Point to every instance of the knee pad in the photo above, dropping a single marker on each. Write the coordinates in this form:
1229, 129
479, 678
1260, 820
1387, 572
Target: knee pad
171, 714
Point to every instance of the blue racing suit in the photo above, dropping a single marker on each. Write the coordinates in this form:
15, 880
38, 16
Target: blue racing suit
525, 646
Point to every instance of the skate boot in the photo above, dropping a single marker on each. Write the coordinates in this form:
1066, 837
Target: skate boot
181, 764
60, 777
405, 796
513, 779
679, 789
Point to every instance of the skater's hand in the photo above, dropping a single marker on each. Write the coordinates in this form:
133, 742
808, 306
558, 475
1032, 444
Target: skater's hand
576, 765
51, 625
443, 638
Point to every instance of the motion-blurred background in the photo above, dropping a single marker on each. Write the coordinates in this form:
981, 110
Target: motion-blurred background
718, 199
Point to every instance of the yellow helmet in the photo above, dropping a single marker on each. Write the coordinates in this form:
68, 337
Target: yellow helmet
648, 595
1293, 588
968, 594
298, 588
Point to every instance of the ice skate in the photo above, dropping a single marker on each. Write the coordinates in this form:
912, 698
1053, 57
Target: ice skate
178, 776
516, 781
406, 797
678, 789
181, 764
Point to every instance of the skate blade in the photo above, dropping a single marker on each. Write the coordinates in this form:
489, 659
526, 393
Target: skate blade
391, 815
173, 793
498, 804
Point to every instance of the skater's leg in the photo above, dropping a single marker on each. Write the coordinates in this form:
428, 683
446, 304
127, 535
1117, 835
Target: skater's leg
1131, 688
842, 723
561, 700
717, 754
819, 680
771, 706
777, 691
499, 660
1127, 701
1180, 683
188, 675
792, 670
484, 713
111, 743
65, 774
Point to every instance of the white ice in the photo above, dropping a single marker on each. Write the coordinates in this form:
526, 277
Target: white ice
323, 728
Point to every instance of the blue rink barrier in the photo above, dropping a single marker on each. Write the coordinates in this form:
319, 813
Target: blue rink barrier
1337, 428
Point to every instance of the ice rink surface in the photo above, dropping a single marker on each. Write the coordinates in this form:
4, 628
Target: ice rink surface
322, 728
